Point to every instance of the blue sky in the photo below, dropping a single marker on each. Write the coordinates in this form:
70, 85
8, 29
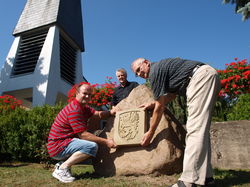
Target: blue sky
118, 31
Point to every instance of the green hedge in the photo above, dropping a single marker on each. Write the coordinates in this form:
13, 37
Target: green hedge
241, 110
24, 133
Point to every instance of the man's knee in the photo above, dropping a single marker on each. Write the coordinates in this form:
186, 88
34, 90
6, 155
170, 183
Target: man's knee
88, 147
93, 146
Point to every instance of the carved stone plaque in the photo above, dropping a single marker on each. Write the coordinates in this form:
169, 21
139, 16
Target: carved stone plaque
129, 127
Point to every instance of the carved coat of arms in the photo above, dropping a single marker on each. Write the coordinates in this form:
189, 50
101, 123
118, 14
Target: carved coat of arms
129, 127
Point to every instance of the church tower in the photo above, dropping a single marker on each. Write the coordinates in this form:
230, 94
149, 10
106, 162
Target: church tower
45, 58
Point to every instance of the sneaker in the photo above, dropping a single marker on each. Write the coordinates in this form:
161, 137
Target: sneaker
63, 175
58, 164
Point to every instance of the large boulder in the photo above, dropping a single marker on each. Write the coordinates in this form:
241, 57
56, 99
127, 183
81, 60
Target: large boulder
163, 156
231, 144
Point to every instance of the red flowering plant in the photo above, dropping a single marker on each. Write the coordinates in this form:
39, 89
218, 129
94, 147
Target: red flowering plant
102, 94
9, 103
235, 79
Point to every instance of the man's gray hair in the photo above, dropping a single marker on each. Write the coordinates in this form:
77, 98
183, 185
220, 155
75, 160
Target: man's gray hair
137, 61
122, 70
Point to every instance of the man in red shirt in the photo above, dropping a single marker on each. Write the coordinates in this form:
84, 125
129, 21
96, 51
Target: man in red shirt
69, 139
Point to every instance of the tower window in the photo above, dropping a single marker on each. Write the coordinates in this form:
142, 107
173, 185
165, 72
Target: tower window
28, 52
67, 61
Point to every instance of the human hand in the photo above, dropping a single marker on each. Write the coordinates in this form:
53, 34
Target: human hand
110, 143
147, 106
114, 110
147, 138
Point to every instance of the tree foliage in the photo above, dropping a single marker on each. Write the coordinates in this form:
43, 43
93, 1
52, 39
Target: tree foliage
242, 7
241, 110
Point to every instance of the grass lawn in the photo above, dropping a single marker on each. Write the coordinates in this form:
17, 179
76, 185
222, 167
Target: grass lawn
30, 174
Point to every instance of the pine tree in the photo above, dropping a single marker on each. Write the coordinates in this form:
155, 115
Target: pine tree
242, 7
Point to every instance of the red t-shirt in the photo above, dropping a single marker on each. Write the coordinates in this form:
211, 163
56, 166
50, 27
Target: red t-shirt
72, 119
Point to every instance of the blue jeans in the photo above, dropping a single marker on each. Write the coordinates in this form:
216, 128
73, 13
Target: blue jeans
84, 146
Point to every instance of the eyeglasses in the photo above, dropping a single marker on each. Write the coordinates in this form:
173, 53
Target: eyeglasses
138, 69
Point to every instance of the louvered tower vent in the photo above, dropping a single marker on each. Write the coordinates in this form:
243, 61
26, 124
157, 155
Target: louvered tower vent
67, 61
28, 53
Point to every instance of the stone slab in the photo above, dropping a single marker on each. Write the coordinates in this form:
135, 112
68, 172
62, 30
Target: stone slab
129, 127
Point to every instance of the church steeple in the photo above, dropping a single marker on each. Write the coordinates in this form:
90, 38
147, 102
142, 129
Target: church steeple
45, 58
66, 14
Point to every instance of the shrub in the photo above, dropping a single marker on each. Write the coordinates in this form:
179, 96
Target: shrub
11, 136
235, 79
241, 110
24, 133
37, 128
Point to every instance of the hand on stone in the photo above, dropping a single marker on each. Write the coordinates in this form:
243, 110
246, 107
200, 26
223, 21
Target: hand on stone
111, 143
147, 138
147, 106
113, 111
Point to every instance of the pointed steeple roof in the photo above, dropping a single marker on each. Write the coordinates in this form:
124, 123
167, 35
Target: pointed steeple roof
66, 14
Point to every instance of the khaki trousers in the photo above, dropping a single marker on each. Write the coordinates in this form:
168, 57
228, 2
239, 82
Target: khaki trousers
202, 92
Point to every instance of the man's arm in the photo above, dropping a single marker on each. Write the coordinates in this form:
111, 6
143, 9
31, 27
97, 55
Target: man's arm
158, 106
91, 137
105, 114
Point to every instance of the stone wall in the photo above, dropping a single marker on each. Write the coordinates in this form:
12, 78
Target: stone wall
231, 144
